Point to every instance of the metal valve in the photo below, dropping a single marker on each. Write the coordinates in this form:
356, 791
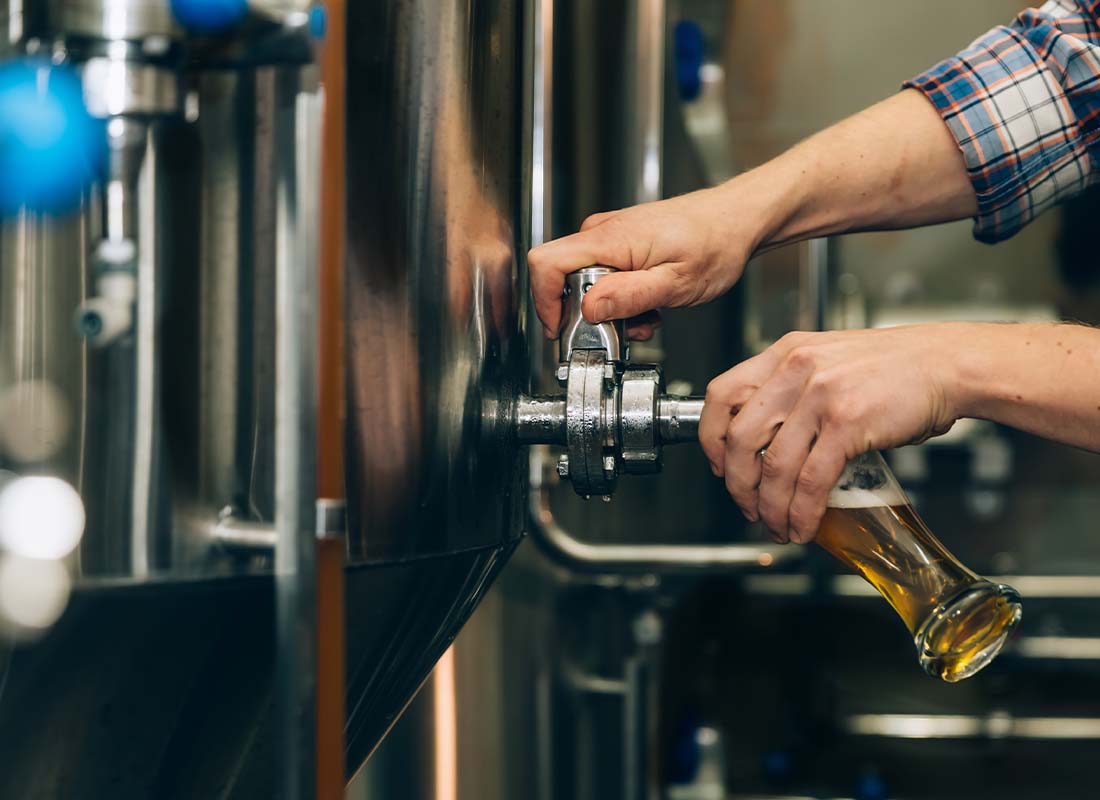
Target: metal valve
614, 417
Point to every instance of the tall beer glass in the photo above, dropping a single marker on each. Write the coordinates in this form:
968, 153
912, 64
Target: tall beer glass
959, 620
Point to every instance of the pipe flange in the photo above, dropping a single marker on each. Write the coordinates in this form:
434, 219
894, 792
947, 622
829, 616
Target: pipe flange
639, 396
589, 424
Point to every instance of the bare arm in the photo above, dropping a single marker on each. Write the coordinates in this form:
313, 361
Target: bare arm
1044, 379
894, 165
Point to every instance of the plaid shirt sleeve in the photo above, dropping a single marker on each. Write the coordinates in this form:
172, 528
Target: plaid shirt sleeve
1023, 102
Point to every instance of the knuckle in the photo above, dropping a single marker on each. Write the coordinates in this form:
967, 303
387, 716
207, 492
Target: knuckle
734, 435
792, 339
800, 358
715, 390
809, 483
771, 465
841, 410
822, 383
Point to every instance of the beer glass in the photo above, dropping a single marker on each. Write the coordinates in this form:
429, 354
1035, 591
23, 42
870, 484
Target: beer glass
959, 621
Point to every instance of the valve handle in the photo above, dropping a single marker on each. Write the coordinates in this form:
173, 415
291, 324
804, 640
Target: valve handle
577, 333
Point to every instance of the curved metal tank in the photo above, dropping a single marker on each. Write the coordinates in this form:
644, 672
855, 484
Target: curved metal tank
160, 684
435, 310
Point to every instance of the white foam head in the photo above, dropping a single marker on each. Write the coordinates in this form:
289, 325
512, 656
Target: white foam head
865, 498
866, 483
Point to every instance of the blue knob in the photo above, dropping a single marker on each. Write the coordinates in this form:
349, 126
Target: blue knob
778, 765
209, 16
51, 148
871, 787
690, 49
318, 21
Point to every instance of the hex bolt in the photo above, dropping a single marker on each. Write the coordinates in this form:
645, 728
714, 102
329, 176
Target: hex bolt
563, 373
609, 375
563, 465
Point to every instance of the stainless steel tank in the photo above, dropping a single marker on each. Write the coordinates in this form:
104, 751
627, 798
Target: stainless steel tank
160, 680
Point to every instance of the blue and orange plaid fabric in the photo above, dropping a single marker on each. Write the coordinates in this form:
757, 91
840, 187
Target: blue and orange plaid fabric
1023, 101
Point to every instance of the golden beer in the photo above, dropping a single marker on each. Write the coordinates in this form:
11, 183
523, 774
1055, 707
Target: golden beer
959, 620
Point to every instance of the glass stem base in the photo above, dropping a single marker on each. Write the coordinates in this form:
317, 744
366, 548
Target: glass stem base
965, 633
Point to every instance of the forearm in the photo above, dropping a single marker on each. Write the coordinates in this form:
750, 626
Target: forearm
1041, 378
894, 165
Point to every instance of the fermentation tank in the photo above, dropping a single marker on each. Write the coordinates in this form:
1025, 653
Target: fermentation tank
184, 663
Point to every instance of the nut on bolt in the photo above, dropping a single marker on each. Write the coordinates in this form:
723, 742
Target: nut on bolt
563, 465
563, 373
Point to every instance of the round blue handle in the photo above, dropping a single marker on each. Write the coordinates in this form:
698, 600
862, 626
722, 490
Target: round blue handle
690, 49
51, 148
871, 787
209, 16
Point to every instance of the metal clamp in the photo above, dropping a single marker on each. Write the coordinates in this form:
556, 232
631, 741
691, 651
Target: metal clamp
614, 418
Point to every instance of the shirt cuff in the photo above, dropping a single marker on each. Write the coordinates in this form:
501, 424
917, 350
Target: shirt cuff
1015, 128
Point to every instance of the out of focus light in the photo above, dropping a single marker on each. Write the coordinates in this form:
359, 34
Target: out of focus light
446, 727
33, 592
40, 517
35, 421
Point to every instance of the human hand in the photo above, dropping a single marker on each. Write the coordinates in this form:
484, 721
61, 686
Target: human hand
816, 400
678, 252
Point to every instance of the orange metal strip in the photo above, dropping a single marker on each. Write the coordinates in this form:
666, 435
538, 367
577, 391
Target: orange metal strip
330, 421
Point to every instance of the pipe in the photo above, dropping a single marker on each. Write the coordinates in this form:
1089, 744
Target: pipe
540, 420
582, 556
245, 536
678, 418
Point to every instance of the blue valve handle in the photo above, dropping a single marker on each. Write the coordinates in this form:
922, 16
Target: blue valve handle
690, 51
209, 16
51, 148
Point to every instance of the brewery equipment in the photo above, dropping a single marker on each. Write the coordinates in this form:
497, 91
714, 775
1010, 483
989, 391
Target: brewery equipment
614, 416
184, 663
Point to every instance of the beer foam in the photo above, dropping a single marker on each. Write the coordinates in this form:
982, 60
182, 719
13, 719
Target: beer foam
854, 497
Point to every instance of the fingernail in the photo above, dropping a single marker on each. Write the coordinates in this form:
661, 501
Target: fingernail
795, 537
714, 468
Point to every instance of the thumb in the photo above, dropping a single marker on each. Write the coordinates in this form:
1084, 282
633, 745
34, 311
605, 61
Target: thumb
628, 294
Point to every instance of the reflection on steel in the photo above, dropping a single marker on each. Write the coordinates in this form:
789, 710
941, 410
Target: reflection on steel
437, 200
295, 435
647, 21
813, 290
998, 725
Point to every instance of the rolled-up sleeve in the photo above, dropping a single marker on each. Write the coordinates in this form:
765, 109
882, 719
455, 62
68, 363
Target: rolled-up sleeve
1023, 102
